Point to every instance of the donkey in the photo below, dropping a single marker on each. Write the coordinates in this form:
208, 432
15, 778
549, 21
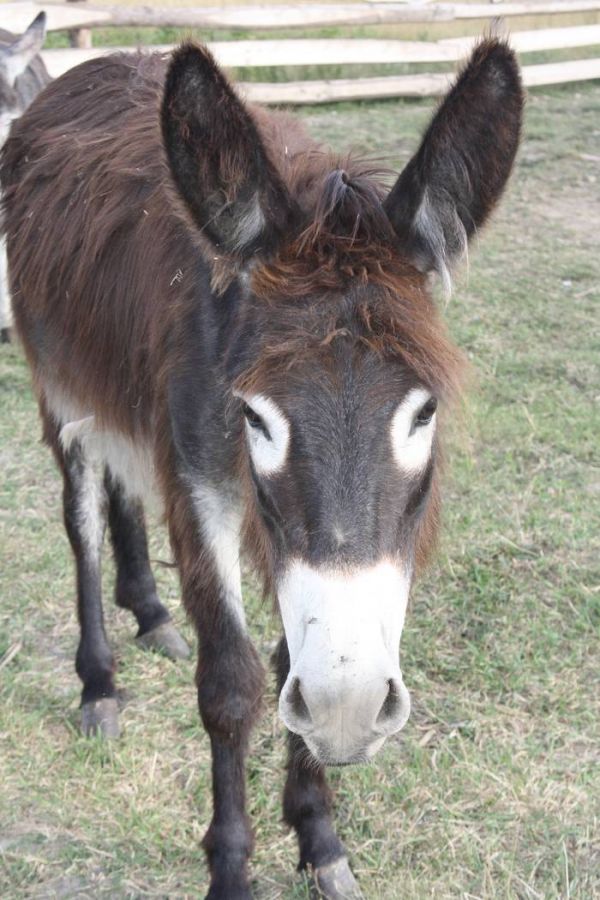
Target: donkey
22, 76
225, 317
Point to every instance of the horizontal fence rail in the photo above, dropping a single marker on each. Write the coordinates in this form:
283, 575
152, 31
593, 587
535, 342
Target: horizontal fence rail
320, 52
432, 85
259, 54
16, 16
419, 85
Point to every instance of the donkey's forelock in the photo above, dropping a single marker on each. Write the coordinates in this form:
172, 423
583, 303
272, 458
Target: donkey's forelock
342, 218
349, 207
341, 277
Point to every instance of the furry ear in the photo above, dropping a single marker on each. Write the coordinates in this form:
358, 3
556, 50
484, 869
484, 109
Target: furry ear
451, 185
15, 57
217, 159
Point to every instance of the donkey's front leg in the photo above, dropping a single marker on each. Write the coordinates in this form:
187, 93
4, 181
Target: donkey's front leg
230, 679
230, 682
307, 808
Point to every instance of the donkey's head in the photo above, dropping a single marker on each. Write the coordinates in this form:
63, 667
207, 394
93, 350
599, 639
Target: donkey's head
340, 365
16, 53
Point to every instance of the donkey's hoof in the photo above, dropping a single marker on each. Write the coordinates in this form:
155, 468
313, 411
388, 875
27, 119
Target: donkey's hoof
336, 881
101, 717
165, 639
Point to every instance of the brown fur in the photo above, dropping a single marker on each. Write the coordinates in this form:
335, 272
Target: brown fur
117, 303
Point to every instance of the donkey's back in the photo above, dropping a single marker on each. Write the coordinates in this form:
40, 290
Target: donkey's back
84, 180
116, 270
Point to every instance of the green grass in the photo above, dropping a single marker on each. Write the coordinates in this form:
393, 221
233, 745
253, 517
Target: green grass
492, 789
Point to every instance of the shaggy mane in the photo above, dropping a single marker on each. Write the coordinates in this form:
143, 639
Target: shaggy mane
346, 246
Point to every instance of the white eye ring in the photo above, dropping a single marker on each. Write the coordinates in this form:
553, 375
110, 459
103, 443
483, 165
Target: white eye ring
411, 441
267, 437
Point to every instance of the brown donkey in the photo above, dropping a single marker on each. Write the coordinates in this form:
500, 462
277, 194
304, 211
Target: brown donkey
223, 316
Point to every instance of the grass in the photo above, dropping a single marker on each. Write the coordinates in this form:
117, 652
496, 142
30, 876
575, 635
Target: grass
492, 789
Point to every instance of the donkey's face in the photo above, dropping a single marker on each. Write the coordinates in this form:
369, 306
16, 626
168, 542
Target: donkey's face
16, 52
342, 458
338, 363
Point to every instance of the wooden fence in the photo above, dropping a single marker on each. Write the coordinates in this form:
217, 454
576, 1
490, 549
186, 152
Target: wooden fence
82, 17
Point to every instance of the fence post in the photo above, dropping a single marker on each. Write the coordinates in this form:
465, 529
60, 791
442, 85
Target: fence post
80, 37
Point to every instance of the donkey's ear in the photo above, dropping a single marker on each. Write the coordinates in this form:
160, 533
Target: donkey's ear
16, 56
451, 185
217, 159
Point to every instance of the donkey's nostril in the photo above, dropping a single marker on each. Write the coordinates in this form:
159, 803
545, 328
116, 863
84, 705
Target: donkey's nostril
392, 705
297, 703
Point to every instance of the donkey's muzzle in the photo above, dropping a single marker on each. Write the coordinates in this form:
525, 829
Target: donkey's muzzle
347, 723
344, 693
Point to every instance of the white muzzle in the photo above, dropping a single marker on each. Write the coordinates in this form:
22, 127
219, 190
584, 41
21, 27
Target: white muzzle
344, 693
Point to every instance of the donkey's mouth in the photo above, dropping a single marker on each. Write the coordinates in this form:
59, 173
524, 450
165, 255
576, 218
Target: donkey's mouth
323, 757
356, 761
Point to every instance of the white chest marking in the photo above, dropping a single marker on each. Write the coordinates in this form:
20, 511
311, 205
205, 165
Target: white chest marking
412, 445
220, 521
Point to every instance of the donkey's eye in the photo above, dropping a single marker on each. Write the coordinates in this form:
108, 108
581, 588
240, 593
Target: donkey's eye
425, 415
254, 420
